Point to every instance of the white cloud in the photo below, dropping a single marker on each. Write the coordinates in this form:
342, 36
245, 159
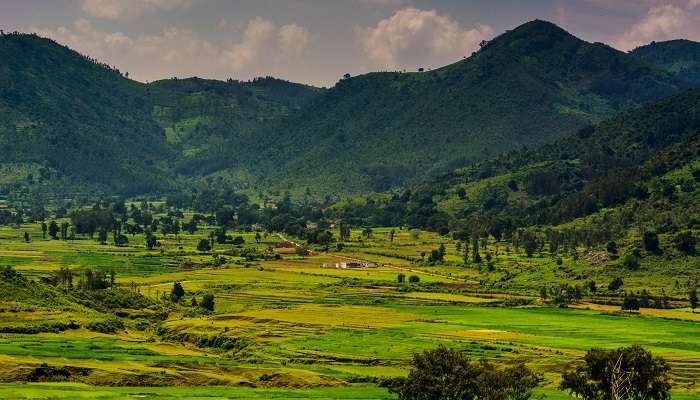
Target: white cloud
181, 52
663, 22
255, 39
293, 40
383, 2
413, 37
115, 9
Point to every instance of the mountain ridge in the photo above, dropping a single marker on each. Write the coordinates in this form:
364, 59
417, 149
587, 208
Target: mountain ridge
374, 132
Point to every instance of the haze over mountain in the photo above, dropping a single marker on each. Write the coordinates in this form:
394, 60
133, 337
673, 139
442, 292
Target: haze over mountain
67, 117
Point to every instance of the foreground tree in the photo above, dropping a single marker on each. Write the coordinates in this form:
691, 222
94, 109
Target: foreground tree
177, 292
445, 373
625, 373
207, 302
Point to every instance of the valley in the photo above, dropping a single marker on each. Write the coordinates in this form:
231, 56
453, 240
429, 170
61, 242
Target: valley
522, 223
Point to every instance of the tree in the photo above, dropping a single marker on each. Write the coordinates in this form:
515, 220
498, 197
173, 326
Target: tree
391, 235
102, 236
630, 303
625, 373
238, 241
26, 237
414, 279
530, 243
207, 302
53, 230
401, 278
693, 298
44, 228
615, 284
64, 230
151, 241
203, 245
685, 241
651, 242
445, 373
177, 292
592, 288
631, 261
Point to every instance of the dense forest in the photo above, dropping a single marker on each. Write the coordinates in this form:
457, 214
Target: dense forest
72, 125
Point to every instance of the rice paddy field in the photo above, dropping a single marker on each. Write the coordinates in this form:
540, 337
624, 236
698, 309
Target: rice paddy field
295, 326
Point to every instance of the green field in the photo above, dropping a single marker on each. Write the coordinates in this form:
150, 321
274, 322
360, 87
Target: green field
297, 329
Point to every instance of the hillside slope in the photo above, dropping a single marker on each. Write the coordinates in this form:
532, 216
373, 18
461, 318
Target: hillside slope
643, 166
679, 57
75, 117
527, 87
69, 122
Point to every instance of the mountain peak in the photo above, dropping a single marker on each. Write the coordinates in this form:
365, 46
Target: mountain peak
534, 36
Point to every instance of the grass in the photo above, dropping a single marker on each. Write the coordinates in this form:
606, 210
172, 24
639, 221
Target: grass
306, 331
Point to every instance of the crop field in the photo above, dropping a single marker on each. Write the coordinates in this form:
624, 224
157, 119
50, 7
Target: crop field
294, 326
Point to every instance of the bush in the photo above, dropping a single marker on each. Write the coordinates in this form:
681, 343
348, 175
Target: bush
107, 325
651, 242
631, 261
450, 374
685, 242
615, 284
413, 279
605, 372
207, 302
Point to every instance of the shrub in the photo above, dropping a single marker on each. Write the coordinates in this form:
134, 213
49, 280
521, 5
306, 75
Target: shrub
651, 242
450, 374
108, 325
615, 284
631, 261
606, 372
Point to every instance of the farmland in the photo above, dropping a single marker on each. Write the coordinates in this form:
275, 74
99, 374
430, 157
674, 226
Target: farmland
292, 325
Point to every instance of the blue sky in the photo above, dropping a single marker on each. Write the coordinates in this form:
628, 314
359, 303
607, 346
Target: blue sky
317, 41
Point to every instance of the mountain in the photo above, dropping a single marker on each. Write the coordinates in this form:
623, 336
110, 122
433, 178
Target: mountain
199, 115
62, 113
528, 86
69, 123
638, 169
679, 57
70, 120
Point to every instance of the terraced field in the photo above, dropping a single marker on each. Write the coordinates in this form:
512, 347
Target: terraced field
290, 328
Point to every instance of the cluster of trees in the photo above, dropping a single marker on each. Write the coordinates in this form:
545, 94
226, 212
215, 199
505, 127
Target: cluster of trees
624, 373
87, 279
177, 293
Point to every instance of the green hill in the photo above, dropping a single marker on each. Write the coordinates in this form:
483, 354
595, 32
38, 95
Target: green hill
528, 86
679, 57
199, 115
635, 173
70, 124
62, 113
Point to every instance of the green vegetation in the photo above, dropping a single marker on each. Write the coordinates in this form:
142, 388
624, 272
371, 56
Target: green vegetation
678, 57
86, 127
182, 238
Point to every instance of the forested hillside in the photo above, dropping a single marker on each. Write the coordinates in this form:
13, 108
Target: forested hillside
527, 87
679, 57
200, 116
62, 114
70, 123
634, 174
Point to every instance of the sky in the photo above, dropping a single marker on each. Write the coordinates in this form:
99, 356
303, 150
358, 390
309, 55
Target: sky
318, 41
